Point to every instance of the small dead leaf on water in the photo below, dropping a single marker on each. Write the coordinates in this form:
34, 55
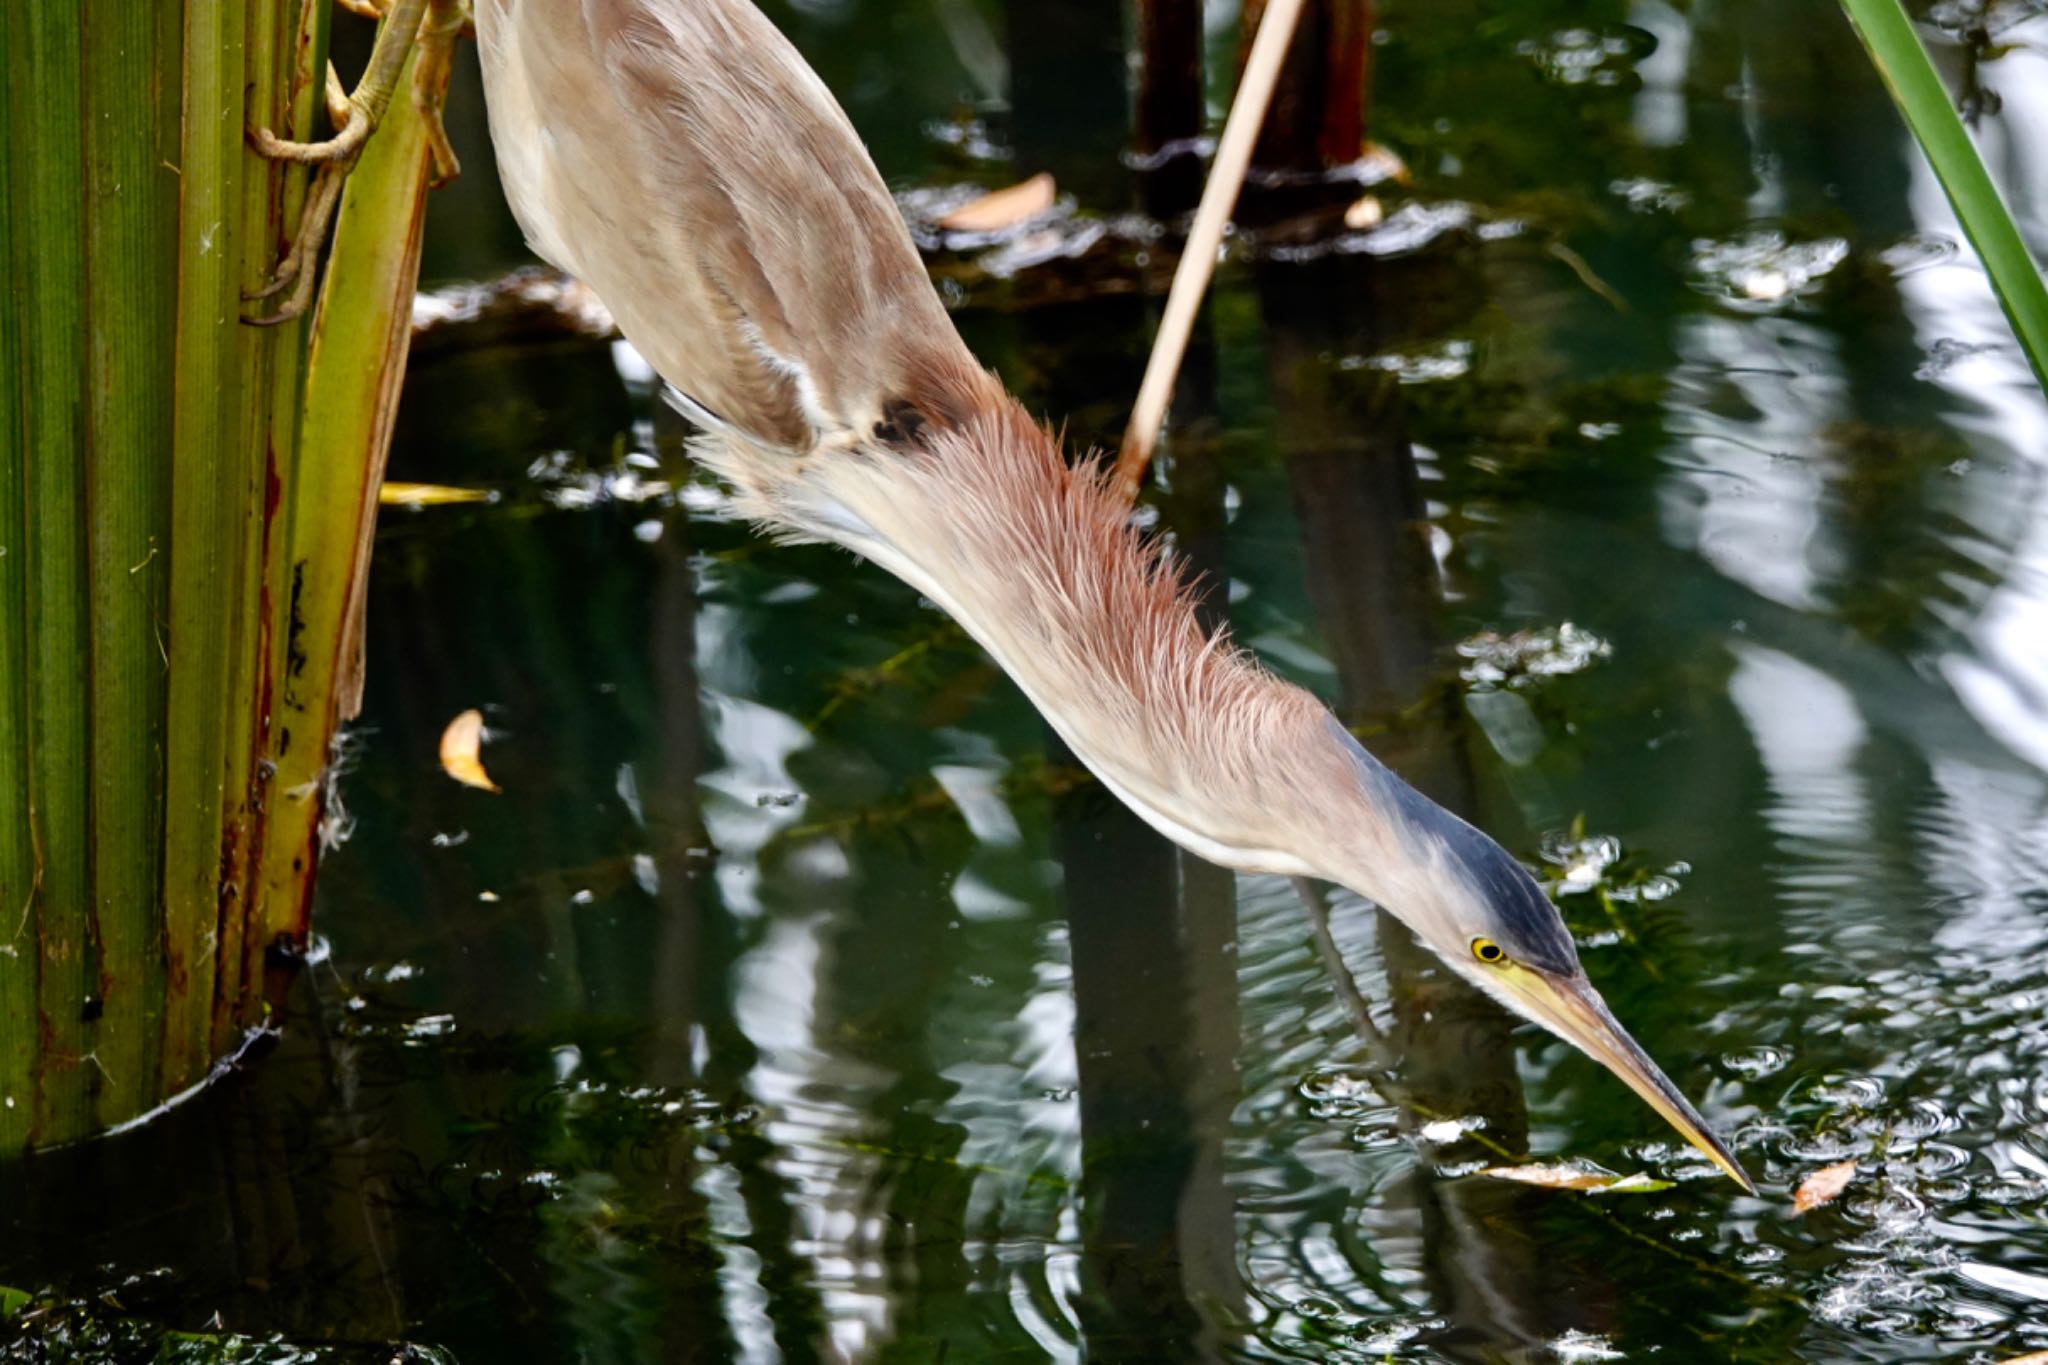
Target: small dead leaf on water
2030, 1358
429, 494
1563, 1177
1002, 208
1823, 1186
460, 745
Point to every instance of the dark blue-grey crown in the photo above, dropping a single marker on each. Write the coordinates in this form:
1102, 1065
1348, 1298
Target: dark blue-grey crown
1522, 919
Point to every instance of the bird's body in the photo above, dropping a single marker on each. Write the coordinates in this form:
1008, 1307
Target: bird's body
842, 405
680, 158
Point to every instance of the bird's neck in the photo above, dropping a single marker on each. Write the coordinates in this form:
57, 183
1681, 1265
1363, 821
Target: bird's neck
1038, 562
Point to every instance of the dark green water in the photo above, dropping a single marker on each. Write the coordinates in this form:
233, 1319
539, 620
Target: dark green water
798, 999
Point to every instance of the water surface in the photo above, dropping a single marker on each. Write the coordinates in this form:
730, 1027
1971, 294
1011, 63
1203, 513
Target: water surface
1656, 485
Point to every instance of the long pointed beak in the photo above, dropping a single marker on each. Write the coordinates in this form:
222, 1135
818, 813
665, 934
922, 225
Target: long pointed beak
1572, 1009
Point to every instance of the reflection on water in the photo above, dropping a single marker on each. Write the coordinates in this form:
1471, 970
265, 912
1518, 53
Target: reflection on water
800, 999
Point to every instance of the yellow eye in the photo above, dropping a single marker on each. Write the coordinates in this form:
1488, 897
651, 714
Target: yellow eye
1487, 951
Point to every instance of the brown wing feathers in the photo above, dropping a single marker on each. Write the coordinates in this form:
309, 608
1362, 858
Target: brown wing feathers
775, 281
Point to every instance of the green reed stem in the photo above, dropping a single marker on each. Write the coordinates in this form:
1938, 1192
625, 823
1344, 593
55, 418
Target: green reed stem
1888, 33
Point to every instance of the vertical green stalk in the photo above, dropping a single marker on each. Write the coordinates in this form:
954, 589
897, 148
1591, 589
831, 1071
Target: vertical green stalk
281, 70
1930, 113
131, 303
287, 402
264, 238
150, 478
205, 525
46, 195
353, 377
269, 455
17, 850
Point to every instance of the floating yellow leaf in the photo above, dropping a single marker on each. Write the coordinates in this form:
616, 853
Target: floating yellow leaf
429, 494
1002, 208
1823, 1185
2030, 1358
1586, 1178
460, 743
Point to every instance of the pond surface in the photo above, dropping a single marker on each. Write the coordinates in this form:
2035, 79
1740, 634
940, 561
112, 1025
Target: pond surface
1656, 484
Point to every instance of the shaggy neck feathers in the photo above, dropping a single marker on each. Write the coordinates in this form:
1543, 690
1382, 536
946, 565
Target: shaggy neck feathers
1037, 560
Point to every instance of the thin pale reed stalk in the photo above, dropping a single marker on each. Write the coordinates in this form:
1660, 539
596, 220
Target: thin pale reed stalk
1205, 239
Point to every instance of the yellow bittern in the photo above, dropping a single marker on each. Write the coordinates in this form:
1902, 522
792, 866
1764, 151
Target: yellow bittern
681, 159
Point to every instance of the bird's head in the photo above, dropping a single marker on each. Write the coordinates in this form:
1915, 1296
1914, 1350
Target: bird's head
1486, 917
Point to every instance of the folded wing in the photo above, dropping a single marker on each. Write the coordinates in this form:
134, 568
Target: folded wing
683, 160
